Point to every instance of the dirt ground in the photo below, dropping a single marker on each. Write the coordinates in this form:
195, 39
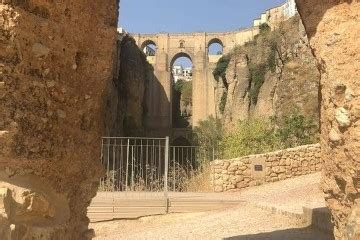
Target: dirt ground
242, 222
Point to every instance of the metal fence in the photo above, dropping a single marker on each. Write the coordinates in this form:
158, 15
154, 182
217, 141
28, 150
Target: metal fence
149, 164
184, 164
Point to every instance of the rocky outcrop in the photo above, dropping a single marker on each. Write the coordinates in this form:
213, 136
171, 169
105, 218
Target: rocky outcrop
128, 96
56, 60
271, 76
333, 29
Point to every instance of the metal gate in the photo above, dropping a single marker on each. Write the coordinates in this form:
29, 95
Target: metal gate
134, 164
149, 165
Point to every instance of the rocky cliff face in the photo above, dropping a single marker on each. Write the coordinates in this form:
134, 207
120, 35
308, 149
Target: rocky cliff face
56, 60
333, 28
271, 76
128, 96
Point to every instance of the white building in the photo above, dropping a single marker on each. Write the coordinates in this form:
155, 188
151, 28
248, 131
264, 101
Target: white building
276, 15
121, 30
290, 9
149, 51
181, 73
187, 73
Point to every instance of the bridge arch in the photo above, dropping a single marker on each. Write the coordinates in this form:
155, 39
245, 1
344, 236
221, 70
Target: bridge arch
149, 47
194, 46
215, 47
178, 55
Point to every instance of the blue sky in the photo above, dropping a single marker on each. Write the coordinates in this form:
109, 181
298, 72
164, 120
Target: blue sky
152, 16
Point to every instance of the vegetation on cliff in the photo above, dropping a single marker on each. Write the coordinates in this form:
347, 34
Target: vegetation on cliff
182, 100
256, 136
267, 55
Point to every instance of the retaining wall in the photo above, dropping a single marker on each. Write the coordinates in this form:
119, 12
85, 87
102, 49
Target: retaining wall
239, 173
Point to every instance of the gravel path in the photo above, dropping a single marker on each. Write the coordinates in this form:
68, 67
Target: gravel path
245, 222
290, 195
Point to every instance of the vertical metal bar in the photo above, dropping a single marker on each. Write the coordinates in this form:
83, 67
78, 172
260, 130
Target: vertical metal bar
173, 172
113, 170
132, 167
120, 164
147, 164
166, 174
142, 163
108, 164
152, 166
102, 162
127, 164
159, 166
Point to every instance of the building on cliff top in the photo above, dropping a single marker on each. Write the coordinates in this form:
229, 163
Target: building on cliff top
274, 16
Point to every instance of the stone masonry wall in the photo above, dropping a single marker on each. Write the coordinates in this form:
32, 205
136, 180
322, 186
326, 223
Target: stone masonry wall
239, 173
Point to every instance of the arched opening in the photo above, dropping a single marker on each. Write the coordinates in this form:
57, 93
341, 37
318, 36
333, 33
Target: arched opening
215, 47
149, 48
181, 78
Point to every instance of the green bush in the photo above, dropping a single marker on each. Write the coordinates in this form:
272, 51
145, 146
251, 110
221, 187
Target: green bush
257, 136
264, 28
257, 78
271, 60
296, 129
184, 89
223, 102
221, 66
250, 137
209, 133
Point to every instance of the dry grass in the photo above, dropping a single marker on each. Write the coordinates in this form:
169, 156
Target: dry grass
200, 181
180, 179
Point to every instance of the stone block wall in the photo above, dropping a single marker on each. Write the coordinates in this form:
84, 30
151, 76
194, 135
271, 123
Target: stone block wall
239, 173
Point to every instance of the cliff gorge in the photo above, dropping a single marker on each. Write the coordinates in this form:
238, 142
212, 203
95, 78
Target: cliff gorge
128, 96
270, 76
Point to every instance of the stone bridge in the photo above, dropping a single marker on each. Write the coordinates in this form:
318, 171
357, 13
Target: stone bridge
195, 46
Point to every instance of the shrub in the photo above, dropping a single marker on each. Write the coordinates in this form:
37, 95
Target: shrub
256, 136
184, 89
271, 60
250, 137
209, 133
223, 102
264, 28
221, 66
257, 78
296, 129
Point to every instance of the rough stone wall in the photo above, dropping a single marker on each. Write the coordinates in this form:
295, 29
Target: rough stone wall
239, 173
56, 60
334, 30
295, 83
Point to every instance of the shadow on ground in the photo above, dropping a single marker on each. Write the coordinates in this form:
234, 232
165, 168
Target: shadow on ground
308, 233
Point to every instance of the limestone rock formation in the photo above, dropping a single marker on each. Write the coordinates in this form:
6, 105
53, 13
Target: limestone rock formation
128, 96
292, 82
333, 28
56, 59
